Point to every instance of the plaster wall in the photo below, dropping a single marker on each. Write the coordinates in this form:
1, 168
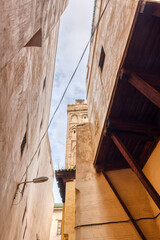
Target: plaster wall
21, 19
99, 214
69, 219
152, 170
26, 84
112, 34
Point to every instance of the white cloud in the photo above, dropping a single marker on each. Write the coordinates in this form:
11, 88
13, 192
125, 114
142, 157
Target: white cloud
75, 29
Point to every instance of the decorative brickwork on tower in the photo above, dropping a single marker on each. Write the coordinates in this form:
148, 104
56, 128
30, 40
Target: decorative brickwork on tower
77, 114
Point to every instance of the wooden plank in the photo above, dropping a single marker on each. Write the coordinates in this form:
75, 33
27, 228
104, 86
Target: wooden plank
124, 207
134, 127
143, 87
135, 167
156, 11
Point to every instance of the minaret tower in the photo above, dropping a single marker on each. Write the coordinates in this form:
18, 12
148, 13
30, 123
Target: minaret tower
76, 114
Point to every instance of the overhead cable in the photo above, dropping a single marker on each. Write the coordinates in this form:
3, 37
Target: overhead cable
72, 76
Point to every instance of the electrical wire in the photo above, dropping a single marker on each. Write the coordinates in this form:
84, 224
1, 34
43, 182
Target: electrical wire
124, 221
72, 76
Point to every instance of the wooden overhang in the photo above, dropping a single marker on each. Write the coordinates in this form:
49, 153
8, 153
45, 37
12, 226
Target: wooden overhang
63, 176
134, 113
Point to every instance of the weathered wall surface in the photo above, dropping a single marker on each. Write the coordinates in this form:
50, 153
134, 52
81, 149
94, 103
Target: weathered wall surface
26, 85
152, 170
118, 19
20, 20
97, 204
69, 219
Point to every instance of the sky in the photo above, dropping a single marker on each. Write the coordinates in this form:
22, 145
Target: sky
74, 33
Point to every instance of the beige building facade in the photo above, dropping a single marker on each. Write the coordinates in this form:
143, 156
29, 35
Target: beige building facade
117, 152
28, 44
56, 227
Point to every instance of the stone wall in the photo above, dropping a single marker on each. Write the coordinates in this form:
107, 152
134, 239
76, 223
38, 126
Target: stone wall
118, 20
26, 79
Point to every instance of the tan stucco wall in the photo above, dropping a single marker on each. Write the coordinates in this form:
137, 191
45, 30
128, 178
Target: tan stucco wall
152, 168
69, 219
96, 202
152, 172
112, 34
26, 85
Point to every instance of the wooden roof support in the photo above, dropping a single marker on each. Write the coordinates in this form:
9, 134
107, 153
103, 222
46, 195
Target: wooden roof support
148, 91
135, 167
125, 207
134, 127
156, 11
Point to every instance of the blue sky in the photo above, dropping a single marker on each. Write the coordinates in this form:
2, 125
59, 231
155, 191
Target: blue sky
75, 30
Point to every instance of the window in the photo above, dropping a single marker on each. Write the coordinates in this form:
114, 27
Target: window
23, 143
24, 231
85, 117
24, 213
36, 40
44, 83
101, 60
59, 227
74, 118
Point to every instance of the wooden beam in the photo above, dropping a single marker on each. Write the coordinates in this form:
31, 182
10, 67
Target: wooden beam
134, 127
125, 207
135, 167
156, 11
143, 87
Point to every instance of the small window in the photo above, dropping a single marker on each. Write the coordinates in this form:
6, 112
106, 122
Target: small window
59, 227
23, 143
37, 237
24, 214
41, 123
24, 231
74, 131
36, 40
74, 118
101, 60
44, 83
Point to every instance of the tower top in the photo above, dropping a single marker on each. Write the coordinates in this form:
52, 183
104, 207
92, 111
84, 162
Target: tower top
79, 105
79, 101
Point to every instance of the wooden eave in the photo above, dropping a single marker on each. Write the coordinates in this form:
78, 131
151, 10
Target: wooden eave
135, 109
63, 176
